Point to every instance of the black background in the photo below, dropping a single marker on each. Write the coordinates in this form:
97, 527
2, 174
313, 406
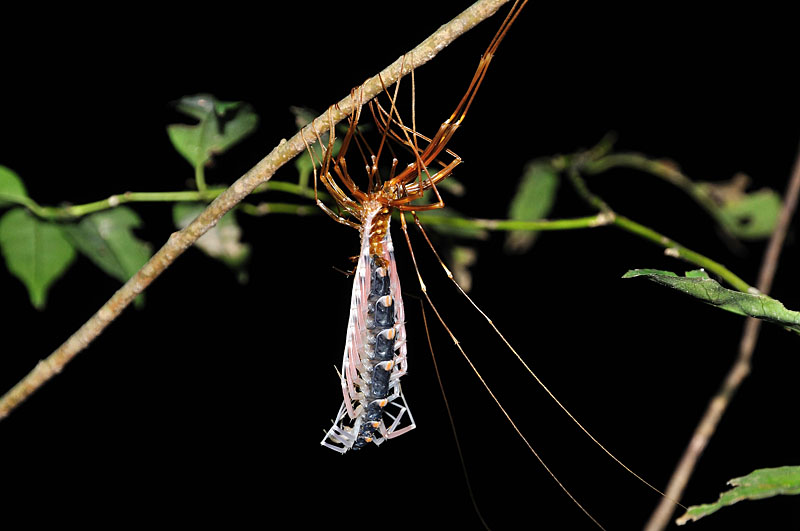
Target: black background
207, 406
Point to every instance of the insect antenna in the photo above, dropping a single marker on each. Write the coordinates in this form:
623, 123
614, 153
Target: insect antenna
497, 402
525, 365
450, 418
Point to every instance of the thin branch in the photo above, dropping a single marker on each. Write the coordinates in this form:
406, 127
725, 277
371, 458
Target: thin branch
579, 184
676, 250
77, 211
607, 217
738, 371
587, 222
179, 241
671, 247
664, 170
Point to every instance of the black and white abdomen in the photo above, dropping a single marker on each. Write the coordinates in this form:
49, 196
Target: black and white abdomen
374, 408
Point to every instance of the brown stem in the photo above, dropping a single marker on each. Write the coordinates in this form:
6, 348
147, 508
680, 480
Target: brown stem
738, 371
178, 242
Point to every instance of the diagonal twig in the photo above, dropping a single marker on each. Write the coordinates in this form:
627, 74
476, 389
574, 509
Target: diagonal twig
179, 241
738, 371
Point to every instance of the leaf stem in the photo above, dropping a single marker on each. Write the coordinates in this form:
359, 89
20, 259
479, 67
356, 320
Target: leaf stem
76, 211
509, 225
25, 201
674, 249
580, 186
658, 168
671, 247
200, 178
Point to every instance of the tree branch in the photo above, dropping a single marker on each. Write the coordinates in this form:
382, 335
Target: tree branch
179, 241
738, 371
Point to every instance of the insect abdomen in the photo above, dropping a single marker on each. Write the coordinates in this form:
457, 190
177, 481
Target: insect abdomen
375, 354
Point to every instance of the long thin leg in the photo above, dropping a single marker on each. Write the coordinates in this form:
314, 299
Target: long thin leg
417, 169
337, 194
414, 172
339, 163
448, 128
392, 110
524, 364
451, 419
480, 378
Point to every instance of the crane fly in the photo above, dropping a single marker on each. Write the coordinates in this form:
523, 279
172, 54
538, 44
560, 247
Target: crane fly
375, 357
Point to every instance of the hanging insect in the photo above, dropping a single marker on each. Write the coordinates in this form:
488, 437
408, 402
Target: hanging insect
375, 355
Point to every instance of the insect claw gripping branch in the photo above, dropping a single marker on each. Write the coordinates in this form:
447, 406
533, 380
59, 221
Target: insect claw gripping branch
375, 354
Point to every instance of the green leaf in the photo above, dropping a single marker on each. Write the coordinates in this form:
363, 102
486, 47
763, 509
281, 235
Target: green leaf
699, 285
222, 241
533, 201
12, 190
221, 125
36, 252
763, 483
107, 239
753, 216
745, 215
